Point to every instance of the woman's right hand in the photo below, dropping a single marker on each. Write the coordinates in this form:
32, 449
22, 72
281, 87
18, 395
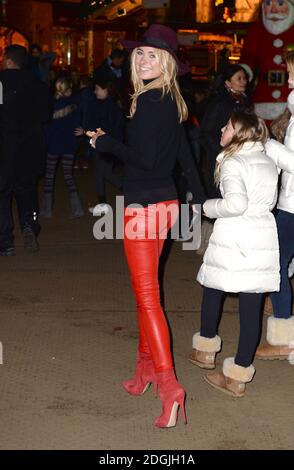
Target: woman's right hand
94, 136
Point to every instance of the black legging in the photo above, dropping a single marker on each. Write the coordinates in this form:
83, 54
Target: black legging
250, 321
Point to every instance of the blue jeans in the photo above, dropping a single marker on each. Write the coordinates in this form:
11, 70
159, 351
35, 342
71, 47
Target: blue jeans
282, 300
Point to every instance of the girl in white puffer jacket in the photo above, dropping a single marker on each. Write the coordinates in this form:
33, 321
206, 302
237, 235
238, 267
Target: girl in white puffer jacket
280, 327
243, 252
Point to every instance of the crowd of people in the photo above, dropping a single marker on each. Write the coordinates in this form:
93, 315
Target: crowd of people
172, 139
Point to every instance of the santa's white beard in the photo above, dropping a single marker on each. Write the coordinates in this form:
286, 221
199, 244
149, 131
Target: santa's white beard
278, 27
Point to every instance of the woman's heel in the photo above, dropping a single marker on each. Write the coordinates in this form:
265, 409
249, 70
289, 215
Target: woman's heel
144, 376
172, 396
183, 410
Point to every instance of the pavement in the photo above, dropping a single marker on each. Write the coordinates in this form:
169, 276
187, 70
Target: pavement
69, 337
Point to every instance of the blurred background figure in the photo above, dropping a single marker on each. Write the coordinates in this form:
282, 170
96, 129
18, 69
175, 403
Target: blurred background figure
62, 144
22, 148
40, 63
200, 98
230, 94
115, 69
106, 114
86, 101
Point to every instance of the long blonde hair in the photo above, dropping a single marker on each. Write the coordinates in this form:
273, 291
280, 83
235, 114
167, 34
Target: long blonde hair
167, 82
290, 62
280, 124
248, 128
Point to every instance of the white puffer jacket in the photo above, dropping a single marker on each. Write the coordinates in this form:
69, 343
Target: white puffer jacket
243, 250
283, 156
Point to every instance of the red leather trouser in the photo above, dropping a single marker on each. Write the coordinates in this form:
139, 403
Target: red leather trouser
145, 231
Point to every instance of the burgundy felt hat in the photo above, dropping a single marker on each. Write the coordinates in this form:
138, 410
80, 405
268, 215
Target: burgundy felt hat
160, 37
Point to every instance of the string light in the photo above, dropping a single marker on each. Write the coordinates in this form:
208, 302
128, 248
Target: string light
93, 5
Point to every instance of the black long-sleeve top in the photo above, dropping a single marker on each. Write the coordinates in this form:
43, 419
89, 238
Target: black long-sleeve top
156, 140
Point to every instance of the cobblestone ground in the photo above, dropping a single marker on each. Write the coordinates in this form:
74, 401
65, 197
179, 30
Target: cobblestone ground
69, 337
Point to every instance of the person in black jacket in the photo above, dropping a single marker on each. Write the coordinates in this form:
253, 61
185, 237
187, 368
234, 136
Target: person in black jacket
156, 139
230, 95
40, 63
22, 148
114, 69
106, 114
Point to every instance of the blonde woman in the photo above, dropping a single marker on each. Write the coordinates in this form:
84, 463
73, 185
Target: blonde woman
156, 140
243, 254
280, 327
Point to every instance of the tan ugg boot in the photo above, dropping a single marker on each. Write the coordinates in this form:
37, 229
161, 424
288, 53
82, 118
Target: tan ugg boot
291, 354
268, 306
204, 351
280, 333
232, 379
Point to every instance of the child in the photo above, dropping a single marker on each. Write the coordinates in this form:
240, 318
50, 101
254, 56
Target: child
107, 115
243, 253
280, 327
61, 142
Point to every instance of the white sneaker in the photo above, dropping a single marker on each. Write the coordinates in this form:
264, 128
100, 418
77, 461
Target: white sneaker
99, 209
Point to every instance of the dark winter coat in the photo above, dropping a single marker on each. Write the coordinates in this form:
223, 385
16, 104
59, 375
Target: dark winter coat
86, 102
24, 110
107, 115
215, 118
104, 72
60, 130
217, 115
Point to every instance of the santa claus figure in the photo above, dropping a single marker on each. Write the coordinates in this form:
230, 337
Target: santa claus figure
264, 49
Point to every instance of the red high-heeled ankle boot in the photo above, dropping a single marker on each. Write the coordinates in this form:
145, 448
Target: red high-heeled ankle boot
172, 396
144, 375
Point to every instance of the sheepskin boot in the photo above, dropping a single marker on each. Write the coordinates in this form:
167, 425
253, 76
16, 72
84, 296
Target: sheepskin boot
232, 379
204, 351
280, 340
268, 306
